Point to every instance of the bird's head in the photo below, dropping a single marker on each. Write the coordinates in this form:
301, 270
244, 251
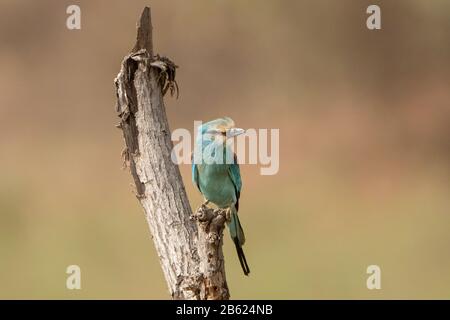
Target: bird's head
219, 130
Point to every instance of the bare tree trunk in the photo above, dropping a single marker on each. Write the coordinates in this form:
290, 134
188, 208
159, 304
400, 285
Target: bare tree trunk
189, 245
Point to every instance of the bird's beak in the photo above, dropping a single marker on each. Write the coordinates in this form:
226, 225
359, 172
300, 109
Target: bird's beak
233, 132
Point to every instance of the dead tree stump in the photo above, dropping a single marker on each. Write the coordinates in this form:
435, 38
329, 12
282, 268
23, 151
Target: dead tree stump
189, 246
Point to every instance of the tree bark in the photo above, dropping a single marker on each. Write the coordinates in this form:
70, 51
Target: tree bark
189, 246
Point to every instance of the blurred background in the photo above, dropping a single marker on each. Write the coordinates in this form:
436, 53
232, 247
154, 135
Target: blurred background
364, 119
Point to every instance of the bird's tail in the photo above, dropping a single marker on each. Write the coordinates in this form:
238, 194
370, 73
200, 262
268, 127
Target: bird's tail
237, 234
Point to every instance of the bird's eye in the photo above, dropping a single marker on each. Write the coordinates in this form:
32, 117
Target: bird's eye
215, 132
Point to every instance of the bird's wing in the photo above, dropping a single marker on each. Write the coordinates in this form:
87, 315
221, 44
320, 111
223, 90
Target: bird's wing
195, 179
235, 175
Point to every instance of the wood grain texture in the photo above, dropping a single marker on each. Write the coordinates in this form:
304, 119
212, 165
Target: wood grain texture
189, 246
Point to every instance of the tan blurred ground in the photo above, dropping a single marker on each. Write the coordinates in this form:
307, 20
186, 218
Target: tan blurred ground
364, 122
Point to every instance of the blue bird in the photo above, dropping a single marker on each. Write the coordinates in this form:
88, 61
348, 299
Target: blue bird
216, 174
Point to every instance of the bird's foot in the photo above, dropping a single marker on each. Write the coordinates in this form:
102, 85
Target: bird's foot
225, 213
203, 206
228, 214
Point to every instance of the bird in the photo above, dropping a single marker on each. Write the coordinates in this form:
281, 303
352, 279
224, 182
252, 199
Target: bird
216, 174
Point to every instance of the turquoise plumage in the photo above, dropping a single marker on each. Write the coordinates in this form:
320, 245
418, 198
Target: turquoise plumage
216, 174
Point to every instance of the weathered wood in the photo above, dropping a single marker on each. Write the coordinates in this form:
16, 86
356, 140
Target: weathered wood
189, 246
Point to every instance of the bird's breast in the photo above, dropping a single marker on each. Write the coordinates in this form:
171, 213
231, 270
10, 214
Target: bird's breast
216, 184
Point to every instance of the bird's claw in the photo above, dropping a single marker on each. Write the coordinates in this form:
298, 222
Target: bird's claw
203, 206
228, 214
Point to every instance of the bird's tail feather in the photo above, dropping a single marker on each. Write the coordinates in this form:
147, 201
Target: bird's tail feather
237, 234
235, 227
241, 257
